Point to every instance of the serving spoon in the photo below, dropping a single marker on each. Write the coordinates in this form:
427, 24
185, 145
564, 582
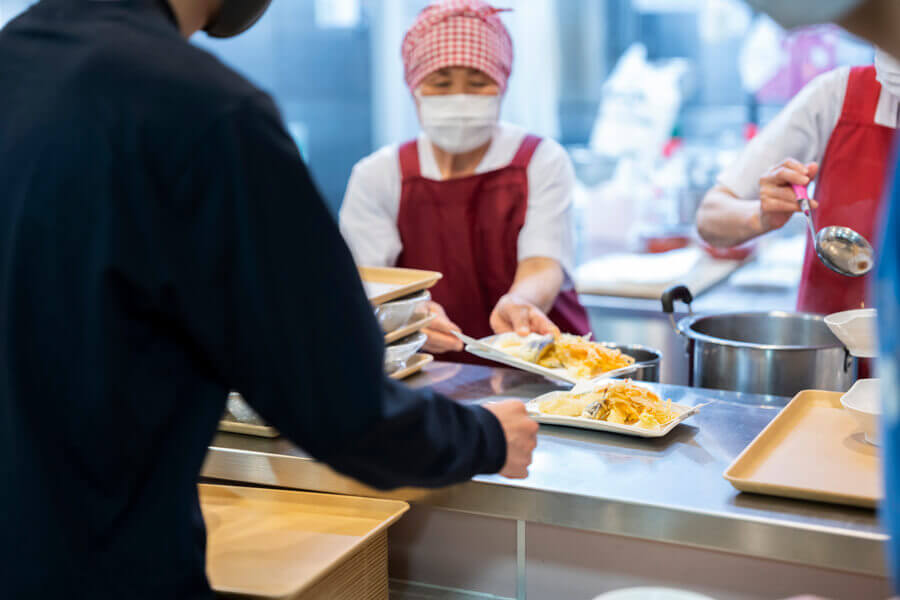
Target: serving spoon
841, 249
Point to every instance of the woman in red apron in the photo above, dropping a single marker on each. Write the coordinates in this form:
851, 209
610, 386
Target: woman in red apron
845, 122
482, 202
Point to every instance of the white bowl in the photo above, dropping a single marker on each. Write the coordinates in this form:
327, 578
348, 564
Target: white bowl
396, 354
857, 330
864, 402
651, 593
398, 313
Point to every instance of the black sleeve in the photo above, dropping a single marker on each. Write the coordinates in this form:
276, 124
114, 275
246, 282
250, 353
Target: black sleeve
295, 333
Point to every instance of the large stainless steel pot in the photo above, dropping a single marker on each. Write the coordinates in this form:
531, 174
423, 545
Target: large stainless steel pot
776, 353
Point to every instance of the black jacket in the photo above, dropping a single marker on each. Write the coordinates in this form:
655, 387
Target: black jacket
162, 243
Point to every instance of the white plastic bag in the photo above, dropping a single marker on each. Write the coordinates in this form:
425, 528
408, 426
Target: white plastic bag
639, 107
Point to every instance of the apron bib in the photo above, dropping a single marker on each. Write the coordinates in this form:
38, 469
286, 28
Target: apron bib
849, 192
468, 229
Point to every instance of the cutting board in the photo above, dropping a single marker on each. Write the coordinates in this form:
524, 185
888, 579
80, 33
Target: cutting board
700, 275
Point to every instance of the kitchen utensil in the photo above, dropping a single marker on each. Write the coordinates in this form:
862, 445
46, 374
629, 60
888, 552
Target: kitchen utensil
776, 353
840, 249
813, 450
857, 330
395, 314
864, 403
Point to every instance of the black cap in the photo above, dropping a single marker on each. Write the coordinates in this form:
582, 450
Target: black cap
236, 17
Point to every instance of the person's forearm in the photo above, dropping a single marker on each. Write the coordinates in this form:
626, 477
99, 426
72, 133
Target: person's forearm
724, 220
538, 281
423, 439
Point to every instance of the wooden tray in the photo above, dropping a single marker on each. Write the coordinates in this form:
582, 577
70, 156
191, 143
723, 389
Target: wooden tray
406, 330
265, 543
265, 431
384, 284
413, 366
813, 450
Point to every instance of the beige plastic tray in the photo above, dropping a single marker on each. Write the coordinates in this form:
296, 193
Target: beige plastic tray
813, 450
384, 284
413, 366
265, 543
231, 426
415, 326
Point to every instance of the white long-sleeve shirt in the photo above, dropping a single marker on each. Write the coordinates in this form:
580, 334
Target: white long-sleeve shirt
800, 131
368, 216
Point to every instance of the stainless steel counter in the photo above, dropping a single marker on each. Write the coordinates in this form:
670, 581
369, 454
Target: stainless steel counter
667, 490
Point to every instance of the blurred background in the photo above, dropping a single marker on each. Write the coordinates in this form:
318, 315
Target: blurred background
334, 68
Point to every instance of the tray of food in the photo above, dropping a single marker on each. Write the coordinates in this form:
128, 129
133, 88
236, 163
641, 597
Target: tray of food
815, 449
384, 284
568, 358
616, 406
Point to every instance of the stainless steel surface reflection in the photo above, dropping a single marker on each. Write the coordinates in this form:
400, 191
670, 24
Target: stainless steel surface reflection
668, 490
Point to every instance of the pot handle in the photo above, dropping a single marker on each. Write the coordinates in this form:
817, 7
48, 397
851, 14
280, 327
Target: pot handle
678, 292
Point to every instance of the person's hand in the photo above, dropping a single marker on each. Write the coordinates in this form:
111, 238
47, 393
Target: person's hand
520, 431
440, 332
777, 201
515, 314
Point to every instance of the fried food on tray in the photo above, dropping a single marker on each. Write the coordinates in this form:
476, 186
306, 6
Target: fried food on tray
620, 402
582, 358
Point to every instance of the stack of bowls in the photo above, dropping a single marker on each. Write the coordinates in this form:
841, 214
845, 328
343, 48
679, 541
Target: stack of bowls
858, 331
402, 321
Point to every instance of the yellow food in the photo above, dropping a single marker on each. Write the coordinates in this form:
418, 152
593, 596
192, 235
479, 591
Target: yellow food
565, 405
620, 402
583, 358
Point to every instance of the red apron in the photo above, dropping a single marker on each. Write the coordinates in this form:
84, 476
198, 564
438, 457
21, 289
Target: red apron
849, 191
468, 229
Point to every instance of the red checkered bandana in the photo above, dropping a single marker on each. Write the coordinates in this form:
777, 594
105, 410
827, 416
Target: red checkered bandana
457, 33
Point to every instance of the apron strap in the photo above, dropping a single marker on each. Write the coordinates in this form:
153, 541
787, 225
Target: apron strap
525, 152
409, 159
863, 93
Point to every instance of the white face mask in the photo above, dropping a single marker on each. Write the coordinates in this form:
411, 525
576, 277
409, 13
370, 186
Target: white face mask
793, 13
887, 71
459, 122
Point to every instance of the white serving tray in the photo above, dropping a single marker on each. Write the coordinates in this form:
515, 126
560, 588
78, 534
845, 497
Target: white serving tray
585, 423
483, 349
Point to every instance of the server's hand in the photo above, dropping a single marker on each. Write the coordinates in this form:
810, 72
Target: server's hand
777, 201
516, 314
440, 332
521, 436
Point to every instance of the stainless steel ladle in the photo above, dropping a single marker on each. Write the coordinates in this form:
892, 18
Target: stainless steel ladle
839, 248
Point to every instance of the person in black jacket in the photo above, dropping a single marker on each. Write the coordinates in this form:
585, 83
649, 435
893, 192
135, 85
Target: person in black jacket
162, 243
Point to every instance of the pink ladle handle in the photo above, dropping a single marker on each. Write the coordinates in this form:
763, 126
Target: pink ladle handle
800, 191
